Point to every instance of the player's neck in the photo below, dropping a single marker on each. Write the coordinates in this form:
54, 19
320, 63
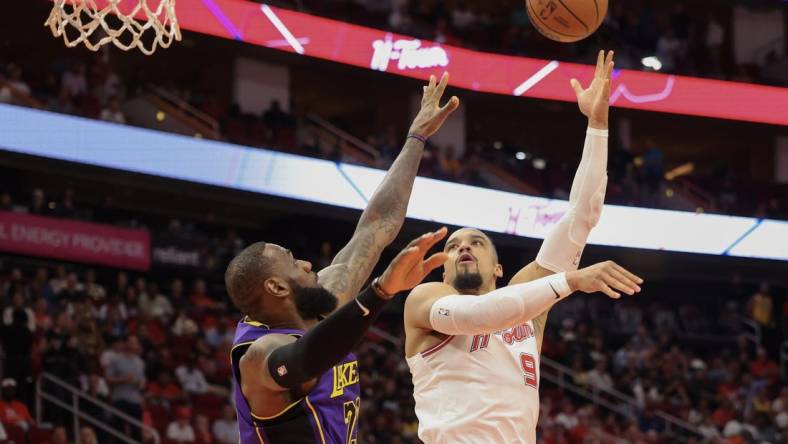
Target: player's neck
477, 291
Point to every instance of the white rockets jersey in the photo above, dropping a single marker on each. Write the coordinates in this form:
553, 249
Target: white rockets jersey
478, 389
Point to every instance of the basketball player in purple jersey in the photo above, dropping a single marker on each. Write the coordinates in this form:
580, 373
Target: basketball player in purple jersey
296, 381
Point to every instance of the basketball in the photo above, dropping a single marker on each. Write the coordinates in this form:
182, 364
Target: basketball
566, 20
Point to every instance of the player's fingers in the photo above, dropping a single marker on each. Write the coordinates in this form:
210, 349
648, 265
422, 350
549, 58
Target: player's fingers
406, 258
412, 257
419, 247
619, 285
450, 106
438, 235
609, 58
608, 291
427, 242
425, 96
626, 280
576, 87
432, 82
435, 261
420, 239
635, 278
408, 252
600, 60
442, 86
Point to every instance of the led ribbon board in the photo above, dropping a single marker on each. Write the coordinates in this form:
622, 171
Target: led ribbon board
304, 34
57, 136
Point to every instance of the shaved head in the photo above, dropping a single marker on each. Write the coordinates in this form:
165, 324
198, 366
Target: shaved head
245, 276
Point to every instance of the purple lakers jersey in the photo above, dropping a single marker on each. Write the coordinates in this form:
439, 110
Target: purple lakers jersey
326, 415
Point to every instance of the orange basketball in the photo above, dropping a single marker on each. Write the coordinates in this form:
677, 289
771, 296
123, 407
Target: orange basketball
566, 20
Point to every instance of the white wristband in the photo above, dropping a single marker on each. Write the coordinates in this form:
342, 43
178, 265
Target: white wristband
597, 132
559, 285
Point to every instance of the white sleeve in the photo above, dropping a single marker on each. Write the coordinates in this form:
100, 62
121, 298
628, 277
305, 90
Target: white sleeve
563, 246
591, 175
499, 309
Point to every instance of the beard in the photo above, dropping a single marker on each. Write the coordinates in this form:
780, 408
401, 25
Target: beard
312, 302
468, 281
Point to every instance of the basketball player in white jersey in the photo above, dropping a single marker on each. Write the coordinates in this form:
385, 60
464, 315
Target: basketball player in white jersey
473, 350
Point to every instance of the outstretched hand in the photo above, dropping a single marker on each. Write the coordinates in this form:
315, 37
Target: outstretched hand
594, 102
431, 116
409, 268
607, 277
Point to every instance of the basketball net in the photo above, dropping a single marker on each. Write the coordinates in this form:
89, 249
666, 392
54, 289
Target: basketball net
86, 21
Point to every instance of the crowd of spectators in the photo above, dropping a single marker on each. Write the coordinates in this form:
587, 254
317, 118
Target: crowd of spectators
672, 360
69, 87
157, 350
156, 345
161, 357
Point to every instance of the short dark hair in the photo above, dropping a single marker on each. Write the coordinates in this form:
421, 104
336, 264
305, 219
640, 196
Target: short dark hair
244, 277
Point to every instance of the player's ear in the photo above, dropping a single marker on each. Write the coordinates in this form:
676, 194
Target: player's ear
498, 271
277, 287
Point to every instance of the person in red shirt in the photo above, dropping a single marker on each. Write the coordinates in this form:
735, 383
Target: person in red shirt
723, 414
12, 411
762, 366
731, 385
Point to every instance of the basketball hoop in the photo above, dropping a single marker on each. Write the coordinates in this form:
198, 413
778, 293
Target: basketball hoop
98, 22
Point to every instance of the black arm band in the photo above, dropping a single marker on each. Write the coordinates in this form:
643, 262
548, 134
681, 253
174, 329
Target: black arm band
327, 343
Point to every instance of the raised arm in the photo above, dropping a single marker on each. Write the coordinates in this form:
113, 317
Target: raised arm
385, 213
563, 247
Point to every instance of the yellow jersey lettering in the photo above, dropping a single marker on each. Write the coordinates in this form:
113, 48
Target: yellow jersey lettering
344, 375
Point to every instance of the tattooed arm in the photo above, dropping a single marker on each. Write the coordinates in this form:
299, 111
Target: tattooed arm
385, 213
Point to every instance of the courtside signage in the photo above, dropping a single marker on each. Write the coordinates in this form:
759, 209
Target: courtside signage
74, 241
